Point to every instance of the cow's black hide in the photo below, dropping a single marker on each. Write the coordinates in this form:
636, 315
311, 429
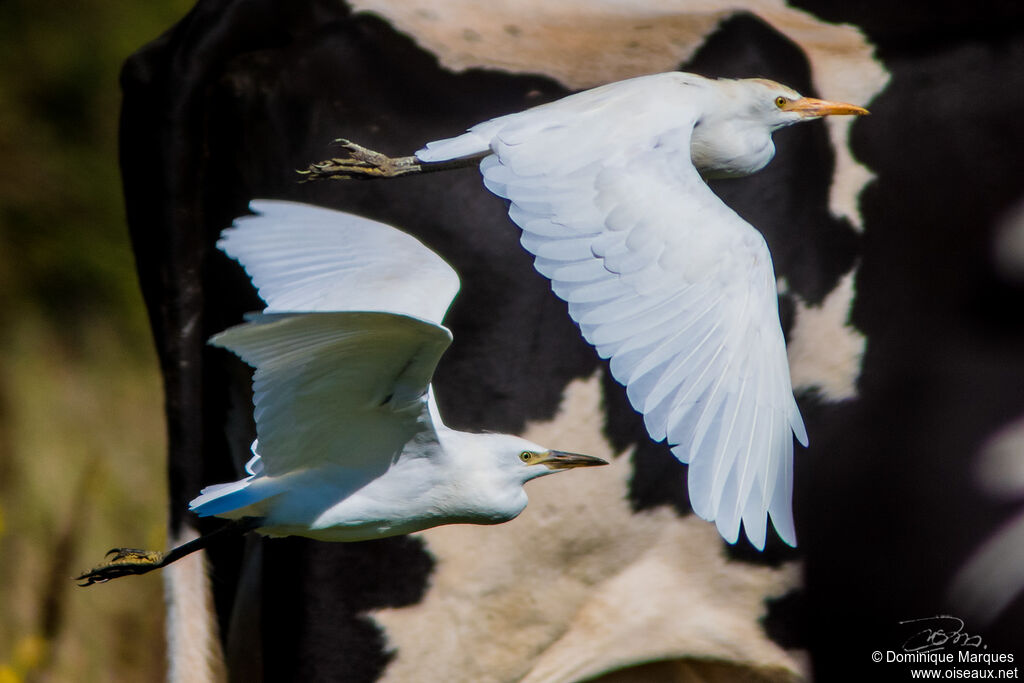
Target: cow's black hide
897, 506
224, 106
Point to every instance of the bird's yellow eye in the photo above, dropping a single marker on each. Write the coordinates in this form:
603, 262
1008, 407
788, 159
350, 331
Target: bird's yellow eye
526, 456
781, 101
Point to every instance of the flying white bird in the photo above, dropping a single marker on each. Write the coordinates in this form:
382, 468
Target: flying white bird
350, 445
664, 279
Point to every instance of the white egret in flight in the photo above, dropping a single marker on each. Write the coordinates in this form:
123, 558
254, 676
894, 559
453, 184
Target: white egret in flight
662, 277
350, 445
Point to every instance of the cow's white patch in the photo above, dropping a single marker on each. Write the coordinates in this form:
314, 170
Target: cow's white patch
580, 584
824, 349
193, 646
994, 576
1008, 246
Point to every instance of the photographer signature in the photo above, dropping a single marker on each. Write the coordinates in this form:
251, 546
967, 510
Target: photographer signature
935, 634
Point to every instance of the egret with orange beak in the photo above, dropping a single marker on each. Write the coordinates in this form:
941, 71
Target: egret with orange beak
665, 280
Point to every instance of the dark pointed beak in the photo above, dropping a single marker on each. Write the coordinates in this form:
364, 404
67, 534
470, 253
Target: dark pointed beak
811, 108
560, 460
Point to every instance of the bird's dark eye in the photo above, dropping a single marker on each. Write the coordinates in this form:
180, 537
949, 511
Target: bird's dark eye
781, 101
525, 456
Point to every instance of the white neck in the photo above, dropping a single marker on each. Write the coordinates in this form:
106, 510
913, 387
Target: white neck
482, 489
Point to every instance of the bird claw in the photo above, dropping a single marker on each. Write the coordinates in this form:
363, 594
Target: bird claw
361, 153
360, 164
126, 561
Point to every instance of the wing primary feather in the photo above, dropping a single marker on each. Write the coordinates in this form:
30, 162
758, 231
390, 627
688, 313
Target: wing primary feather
680, 364
726, 453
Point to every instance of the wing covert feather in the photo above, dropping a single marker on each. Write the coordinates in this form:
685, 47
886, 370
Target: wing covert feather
347, 388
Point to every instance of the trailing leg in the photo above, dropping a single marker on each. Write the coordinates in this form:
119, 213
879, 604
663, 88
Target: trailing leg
364, 164
128, 561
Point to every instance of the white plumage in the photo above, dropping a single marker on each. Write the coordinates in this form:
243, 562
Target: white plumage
350, 443
663, 278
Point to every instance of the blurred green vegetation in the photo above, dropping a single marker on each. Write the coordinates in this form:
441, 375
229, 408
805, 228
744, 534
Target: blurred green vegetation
81, 424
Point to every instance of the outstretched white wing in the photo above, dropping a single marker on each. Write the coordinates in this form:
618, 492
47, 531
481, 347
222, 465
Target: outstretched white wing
308, 258
662, 278
346, 348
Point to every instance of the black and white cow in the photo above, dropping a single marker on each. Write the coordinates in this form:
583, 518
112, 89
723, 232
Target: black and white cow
905, 342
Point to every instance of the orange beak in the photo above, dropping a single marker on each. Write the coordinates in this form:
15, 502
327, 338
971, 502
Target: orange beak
810, 108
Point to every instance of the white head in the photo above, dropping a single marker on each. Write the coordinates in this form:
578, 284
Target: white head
524, 460
733, 136
495, 467
775, 105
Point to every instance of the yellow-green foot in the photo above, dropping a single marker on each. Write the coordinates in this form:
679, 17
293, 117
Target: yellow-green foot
126, 561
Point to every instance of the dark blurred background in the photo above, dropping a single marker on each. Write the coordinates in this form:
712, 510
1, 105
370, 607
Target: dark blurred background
81, 424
